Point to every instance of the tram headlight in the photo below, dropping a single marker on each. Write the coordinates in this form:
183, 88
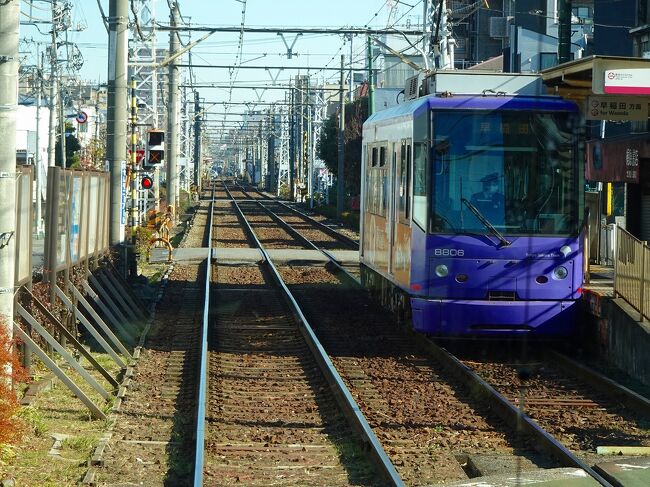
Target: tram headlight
442, 270
560, 273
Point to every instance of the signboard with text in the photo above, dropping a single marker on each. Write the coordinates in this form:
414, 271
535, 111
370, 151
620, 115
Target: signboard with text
616, 160
627, 81
624, 108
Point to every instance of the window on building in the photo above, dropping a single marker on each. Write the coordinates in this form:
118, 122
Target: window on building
581, 13
547, 60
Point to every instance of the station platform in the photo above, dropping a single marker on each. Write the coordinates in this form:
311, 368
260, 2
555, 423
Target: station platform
629, 472
249, 256
599, 287
553, 477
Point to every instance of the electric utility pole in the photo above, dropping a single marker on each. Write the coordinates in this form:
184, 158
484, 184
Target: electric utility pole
172, 120
118, 20
564, 31
340, 177
9, 25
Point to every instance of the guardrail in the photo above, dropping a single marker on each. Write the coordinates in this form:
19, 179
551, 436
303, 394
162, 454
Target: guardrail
203, 363
632, 272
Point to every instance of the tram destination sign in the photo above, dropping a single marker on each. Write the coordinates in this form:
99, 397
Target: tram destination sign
624, 108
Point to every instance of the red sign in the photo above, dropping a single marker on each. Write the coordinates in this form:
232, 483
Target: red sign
616, 160
139, 155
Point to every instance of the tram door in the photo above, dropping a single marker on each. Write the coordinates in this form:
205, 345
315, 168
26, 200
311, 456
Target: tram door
400, 257
392, 219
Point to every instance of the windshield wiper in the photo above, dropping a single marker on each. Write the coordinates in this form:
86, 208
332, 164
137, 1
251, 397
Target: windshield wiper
485, 222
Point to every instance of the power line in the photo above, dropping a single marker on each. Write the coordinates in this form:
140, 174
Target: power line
294, 30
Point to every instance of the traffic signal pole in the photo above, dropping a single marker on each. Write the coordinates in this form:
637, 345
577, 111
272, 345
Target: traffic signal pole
9, 25
118, 19
133, 169
172, 120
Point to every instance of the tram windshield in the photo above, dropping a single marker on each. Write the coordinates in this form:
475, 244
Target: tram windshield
518, 169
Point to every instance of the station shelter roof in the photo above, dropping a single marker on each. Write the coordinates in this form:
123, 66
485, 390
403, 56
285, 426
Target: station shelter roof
608, 88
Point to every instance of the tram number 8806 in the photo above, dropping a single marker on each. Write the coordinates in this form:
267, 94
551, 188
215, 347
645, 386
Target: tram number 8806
448, 252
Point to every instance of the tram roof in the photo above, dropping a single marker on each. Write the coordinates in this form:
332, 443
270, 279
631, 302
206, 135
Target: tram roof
413, 108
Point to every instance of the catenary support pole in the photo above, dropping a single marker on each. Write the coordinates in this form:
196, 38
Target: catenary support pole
51, 141
292, 144
38, 163
197, 141
340, 174
118, 21
9, 25
371, 81
172, 118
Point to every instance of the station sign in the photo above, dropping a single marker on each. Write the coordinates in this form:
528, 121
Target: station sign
623, 108
627, 81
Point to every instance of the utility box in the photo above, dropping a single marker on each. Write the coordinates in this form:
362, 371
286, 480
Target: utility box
467, 81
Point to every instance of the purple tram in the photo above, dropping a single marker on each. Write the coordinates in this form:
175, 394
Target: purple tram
472, 214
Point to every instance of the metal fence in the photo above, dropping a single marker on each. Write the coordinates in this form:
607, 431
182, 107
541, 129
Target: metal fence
632, 272
24, 221
76, 217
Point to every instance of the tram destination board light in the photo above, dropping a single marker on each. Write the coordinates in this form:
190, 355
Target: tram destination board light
146, 182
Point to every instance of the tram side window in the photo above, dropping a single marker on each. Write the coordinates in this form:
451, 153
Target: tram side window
420, 185
405, 182
370, 152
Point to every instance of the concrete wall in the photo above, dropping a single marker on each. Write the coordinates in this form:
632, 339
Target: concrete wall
622, 340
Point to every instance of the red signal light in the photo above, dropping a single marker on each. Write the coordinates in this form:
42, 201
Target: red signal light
146, 182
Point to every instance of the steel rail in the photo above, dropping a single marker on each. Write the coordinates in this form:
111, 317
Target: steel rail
480, 389
340, 390
199, 447
330, 231
509, 413
632, 400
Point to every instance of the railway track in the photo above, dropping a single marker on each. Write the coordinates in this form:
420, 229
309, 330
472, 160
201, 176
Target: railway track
421, 402
583, 411
273, 416
415, 443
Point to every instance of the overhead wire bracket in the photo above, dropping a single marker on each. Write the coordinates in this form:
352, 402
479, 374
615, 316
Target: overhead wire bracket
289, 48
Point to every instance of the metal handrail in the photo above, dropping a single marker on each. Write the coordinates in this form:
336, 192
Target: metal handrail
203, 365
632, 272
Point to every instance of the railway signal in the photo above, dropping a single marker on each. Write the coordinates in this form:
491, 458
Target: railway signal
155, 151
146, 182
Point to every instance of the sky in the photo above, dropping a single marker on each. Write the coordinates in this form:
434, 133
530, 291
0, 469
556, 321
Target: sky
257, 49
314, 51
